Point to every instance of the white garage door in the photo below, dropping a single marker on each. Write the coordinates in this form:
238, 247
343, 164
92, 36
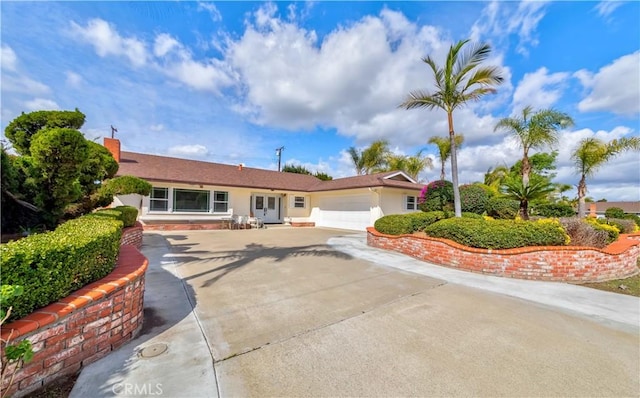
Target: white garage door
346, 212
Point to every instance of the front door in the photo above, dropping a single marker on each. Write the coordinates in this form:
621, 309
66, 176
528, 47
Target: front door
267, 207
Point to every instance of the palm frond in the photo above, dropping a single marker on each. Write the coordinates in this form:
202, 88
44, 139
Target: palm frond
421, 99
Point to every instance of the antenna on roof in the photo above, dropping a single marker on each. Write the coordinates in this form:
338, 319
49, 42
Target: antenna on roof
113, 130
279, 155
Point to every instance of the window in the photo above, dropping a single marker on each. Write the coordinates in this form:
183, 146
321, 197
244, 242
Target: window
194, 200
410, 203
159, 199
220, 202
298, 202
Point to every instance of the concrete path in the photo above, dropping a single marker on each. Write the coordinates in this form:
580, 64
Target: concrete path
279, 312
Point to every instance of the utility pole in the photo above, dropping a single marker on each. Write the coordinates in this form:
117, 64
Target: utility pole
113, 130
279, 155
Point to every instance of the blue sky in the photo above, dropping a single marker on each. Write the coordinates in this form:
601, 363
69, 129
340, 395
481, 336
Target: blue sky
230, 82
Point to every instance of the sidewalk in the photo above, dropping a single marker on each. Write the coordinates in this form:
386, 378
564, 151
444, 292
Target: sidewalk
185, 369
611, 309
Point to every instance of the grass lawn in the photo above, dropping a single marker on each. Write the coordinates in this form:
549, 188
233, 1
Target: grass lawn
632, 285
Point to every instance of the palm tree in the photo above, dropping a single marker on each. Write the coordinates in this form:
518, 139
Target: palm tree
358, 161
534, 131
459, 81
444, 149
371, 158
591, 154
412, 165
494, 178
537, 188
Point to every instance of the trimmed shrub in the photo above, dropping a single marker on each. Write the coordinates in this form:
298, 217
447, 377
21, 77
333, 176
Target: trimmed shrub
583, 233
612, 231
129, 215
614, 212
499, 234
554, 210
624, 226
634, 218
107, 213
472, 215
473, 199
436, 196
52, 265
502, 208
394, 224
420, 220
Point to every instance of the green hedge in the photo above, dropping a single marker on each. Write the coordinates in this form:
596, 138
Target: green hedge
499, 234
52, 265
394, 224
398, 224
129, 215
503, 208
554, 210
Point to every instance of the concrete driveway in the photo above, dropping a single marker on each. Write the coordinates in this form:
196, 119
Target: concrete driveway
278, 312
285, 315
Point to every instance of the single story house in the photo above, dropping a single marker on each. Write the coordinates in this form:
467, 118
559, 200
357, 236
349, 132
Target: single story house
597, 209
196, 194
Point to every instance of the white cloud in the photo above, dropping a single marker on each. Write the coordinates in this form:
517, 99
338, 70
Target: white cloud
606, 8
8, 58
41, 104
189, 150
211, 9
73, 79
499, 20
301, 82
539, 89
614, 88
156, 127
23, 84
107, 41
164, 43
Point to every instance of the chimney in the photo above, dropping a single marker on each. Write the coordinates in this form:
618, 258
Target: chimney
592, 210
240, 166
113, 145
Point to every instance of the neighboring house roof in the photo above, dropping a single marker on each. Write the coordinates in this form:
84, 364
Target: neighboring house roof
627, 207
175, 170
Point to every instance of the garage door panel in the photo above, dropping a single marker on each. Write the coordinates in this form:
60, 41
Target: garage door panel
347, 212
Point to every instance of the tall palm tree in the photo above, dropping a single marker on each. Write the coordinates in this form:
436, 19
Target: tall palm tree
591, 154
459, 81
444, 149
412, 165
370, 159
534, 130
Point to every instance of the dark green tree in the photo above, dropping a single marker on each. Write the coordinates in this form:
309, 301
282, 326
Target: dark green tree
323, 176
59, 155
297, 169
22, 129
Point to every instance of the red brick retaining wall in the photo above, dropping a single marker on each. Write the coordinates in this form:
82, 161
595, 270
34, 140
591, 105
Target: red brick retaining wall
303, 224
83, 327
132, 236
549, 263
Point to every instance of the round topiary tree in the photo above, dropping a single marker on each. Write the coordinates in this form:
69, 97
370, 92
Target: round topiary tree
614, 212
436, 196
473, 199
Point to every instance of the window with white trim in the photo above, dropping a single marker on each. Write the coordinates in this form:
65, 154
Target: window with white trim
191, 200
299, 202
410, 203
159, 199
220, 201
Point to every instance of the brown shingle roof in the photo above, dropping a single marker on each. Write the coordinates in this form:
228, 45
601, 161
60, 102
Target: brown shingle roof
627, 207
175, 170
